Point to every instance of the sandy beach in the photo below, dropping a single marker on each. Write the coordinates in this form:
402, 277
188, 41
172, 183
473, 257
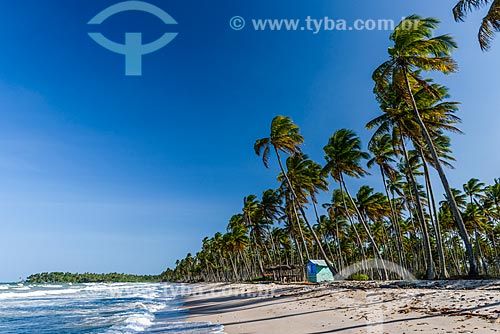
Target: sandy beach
348, 307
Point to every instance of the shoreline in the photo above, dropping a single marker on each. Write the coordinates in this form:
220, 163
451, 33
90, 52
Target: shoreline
348, 307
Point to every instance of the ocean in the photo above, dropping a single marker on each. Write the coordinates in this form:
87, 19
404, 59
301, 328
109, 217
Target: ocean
118, 308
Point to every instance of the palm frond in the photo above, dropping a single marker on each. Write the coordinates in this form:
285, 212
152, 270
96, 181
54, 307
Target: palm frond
489, 26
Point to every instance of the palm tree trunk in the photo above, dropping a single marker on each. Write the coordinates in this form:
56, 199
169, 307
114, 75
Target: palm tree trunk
430, 267
443, 274
259, 259
394, 219
245, 261
365, 226
349, 218
236, 275
442, 259
254, 238
324, 237
473, 268
410, 207
480, 256
497, 258
274, 250
300, 231
339, 246
297, 246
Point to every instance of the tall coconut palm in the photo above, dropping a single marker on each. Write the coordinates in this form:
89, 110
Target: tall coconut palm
414, 50
270, 206
307, 180
343, 156
491, 203
492, 196
437, 115
375, 208
412, 163
339, 214
252, 216
234, 243
383, 155
442, 145
285, 137
490, 24
325, 226
474, 189
398, 120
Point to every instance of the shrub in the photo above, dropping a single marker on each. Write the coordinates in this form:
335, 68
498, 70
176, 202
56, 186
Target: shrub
360, 277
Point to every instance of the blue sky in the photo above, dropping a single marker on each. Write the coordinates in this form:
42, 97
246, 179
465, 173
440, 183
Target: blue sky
102, 172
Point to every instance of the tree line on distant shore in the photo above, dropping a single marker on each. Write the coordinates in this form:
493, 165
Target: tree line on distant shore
403, 223
60, 277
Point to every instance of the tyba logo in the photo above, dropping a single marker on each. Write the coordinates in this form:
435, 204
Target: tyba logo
133, 49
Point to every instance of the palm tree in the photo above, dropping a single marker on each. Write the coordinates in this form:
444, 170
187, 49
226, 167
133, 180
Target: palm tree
492, 196
270, 205
254, 222
338, 214
307, 180
285, 137
414, 50
374, 207
473, 189
343, 156
490, 24
437, 115
442, 144
235, 241
398, 122
383, 155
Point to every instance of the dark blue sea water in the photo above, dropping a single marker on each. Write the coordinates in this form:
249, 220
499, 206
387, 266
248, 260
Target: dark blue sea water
95, 308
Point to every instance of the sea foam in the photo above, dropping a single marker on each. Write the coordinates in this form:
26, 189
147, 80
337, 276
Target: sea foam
123, 308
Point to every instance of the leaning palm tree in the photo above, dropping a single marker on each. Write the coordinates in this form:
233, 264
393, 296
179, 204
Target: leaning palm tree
383, 151
307, 180
340, 213
343, 156
490, 24
285, 137
375, 209
416, 49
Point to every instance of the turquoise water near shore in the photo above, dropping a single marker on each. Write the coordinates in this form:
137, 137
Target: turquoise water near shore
121, 308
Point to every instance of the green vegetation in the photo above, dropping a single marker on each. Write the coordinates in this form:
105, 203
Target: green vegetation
360, 277
59, 277
403, 223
